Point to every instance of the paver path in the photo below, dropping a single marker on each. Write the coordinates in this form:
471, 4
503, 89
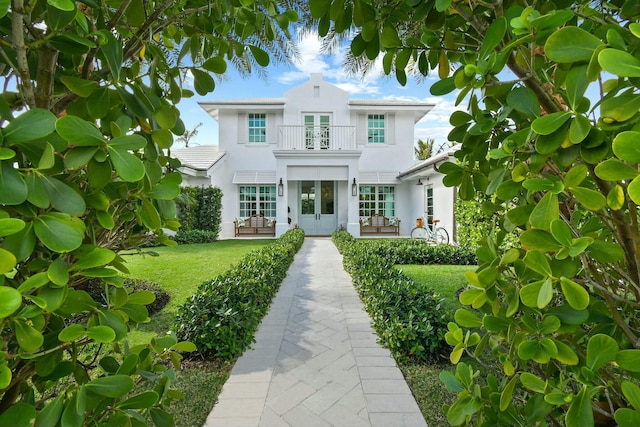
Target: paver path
316, 361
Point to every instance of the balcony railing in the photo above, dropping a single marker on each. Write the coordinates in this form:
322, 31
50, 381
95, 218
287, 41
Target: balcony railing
317, 138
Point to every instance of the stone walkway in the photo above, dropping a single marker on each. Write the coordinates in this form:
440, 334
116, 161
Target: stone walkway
316, 361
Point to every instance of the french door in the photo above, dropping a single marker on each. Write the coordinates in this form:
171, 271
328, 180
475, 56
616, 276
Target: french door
318, 207
317, 131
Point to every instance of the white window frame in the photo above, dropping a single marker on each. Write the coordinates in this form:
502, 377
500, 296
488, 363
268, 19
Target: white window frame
257, 128
261, 200
376, 129
377, 201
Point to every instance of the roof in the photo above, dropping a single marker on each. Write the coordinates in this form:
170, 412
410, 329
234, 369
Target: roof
213, 107
420, 169
420, 109
199, 157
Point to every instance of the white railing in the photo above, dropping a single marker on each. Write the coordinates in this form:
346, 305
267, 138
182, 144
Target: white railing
317, 138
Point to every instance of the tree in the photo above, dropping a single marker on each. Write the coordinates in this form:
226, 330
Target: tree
423, 149
188, 135
89, 115
552, 127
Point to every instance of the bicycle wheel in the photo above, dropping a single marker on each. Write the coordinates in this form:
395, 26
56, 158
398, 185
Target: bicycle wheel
418, 233
441, 236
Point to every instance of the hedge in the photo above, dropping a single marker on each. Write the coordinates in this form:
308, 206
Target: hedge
221, 318
418, 251
410, 321
199, 209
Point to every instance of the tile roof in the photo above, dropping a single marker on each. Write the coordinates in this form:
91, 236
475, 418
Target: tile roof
199, 157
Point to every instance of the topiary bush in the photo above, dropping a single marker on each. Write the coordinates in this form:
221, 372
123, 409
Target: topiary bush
418, 251
409, 321
96, 289
221, 318
195, 236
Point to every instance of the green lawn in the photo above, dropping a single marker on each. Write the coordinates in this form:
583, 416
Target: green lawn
423, 379
179, 270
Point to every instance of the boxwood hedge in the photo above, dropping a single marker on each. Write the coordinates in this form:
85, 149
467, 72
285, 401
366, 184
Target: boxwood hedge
410, 321
223, 315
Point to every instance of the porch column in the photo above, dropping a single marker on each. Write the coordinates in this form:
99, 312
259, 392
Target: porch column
282, 201
353, 225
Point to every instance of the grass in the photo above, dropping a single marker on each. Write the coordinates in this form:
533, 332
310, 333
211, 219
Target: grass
179, 270
423, 378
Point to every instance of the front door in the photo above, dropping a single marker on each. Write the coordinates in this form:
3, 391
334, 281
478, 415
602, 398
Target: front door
317, 131
318, 207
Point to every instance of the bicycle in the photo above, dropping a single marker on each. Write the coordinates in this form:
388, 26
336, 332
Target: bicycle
432, 233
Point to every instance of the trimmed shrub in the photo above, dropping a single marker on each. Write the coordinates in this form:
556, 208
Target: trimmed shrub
409, 321
96, 289
221, 318
195, 236
418, 251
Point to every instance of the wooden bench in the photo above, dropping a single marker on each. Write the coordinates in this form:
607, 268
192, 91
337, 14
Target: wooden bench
379, 224
255, 225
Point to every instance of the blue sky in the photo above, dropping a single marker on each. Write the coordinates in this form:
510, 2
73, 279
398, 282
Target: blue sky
283, 77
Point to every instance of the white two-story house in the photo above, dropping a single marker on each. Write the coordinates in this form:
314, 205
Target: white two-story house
316, 159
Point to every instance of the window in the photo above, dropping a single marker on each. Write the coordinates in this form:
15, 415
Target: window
257, 128
375, 128
258, 199
428, 204
377, 199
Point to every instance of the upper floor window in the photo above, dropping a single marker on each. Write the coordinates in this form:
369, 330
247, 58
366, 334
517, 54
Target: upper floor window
375, 129
257, 127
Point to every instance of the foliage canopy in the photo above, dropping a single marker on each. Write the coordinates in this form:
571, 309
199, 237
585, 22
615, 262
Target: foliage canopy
552, 126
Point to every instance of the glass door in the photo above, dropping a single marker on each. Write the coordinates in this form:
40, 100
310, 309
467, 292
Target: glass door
317, 131
317, 207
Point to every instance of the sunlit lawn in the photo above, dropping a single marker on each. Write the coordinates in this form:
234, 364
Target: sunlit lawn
179, 270
423, 379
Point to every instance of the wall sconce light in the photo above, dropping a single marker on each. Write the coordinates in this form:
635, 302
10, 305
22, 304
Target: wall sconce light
419, 182
354, 188
281, 188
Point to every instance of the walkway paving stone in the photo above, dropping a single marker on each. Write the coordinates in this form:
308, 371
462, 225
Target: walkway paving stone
316, 360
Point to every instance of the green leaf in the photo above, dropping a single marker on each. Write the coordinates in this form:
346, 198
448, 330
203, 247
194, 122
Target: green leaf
601, 349
111, 386
539, 240
615, 170
579, 129
10, 226
493, 37
161, 418
561, 232
261, 57
626, 147
58, 272
96, 257
545, 212
620, 108
37, 192
529, 293
129, 167
103, 334
29, 338
580, 413
111, 51
626, 417
29, 126
50, 414
142, 297
13, 188
59, 232
467, 319
6, 153
451, 382
615, 198
319, 8
66, 5
576, 295
590, 199
7, 261
630, 361
507, 394
442, 5
202, 82
537, 261
79, 132
127, 142
389, 36
606, 251
166, 117
577, 84
98, 103
71, 332
105, 219
523, 99
550, 123
571, 44
18, 415
11, 301
443, 87
532, 382
62, 197
566, 354
215, 64
545, 294
81, 87
619, 63
184, 346
140, 401
22, 243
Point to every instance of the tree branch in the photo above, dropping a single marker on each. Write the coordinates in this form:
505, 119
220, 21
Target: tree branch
17, 29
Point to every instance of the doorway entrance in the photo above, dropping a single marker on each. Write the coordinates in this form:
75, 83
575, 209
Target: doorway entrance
318, 207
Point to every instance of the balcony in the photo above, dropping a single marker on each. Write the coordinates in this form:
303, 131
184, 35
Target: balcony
317, 138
